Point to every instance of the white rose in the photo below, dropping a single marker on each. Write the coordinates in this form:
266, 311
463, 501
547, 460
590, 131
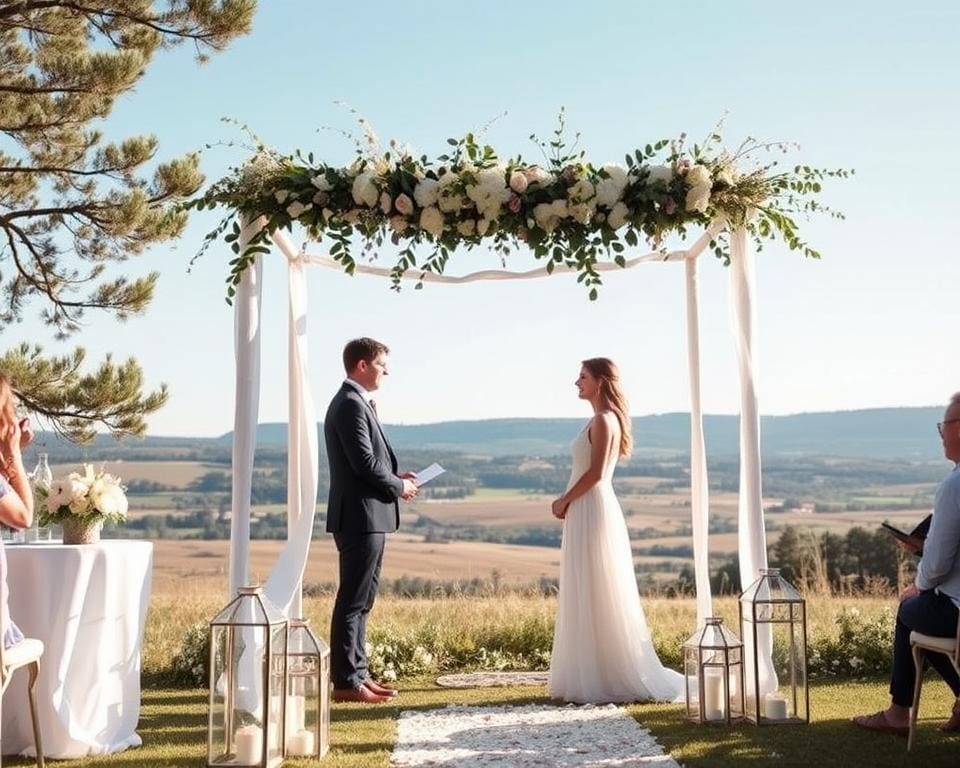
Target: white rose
431, 221
296, 209
581, 212
548, 215
448, 199
426, 193
581, 191
698, 198
364, 190
113, 502
404, 204
659, 173
61, 492
537, 175
698, 176
618, 216
386, 202
321, 183
518, 182
467, 227
610, 189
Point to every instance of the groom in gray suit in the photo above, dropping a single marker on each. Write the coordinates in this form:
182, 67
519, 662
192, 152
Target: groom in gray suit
363, 507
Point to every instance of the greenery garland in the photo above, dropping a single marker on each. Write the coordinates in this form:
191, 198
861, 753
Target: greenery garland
566, 210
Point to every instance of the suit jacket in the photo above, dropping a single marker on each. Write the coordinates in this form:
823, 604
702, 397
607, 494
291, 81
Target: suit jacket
364, 487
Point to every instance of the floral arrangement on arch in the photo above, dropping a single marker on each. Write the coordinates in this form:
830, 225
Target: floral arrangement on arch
94, 496
566, 209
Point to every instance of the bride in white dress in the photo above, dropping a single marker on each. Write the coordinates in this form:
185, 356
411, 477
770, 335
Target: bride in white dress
602, 650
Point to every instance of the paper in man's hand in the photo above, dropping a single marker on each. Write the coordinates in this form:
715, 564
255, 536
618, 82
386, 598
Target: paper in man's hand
424, 476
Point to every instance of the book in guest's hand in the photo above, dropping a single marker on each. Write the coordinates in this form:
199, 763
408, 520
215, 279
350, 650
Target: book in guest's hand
919, 533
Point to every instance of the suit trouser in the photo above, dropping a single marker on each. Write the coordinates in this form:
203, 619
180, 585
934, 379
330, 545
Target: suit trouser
361, 557
929, 613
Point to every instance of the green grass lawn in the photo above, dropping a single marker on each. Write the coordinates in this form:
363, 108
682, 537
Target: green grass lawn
172, 724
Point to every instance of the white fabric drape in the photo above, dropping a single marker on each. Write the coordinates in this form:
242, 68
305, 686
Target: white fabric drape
246, 407
699, 485
752, 538
283, 587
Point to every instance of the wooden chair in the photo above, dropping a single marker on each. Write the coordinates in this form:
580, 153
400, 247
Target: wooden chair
949, 646
27, 654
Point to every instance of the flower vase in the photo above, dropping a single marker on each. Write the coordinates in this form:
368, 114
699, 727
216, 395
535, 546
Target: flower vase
81, 531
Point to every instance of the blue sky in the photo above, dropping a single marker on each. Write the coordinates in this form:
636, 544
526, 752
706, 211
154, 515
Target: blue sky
867, 85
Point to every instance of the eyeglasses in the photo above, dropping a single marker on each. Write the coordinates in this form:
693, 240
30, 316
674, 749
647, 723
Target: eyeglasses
942, 424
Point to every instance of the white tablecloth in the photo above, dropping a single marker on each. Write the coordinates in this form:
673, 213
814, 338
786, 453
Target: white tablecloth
88, 605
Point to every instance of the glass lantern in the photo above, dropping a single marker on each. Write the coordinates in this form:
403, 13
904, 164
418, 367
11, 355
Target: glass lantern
308, 693
248, 679
773, 624
713, 675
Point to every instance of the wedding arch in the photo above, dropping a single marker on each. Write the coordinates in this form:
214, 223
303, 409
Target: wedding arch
573, 216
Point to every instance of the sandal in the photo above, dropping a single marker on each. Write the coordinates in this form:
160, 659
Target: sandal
878, 722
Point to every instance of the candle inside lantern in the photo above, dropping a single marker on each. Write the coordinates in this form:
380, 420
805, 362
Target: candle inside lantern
249, 743
295, 714
300, 743
775, 706
713, 699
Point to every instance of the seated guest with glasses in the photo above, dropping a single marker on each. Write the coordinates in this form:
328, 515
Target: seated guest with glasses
930, 605
16, 497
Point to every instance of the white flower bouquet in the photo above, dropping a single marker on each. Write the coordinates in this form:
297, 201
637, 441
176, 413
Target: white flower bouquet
81, 503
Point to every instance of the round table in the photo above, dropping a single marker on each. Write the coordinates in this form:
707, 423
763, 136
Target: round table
88, 604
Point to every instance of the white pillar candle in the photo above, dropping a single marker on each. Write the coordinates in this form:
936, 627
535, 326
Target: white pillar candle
775, 706
300, 744
295, 714
249, 743
713, 699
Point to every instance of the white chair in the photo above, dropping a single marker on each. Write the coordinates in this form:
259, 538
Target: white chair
27, 654
949, 646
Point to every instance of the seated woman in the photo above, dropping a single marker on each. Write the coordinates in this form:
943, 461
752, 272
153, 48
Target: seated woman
16, 497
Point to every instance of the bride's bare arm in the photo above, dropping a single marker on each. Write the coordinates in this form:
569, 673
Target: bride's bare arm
600, 437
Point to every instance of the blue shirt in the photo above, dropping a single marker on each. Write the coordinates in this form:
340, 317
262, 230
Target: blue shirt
939, 568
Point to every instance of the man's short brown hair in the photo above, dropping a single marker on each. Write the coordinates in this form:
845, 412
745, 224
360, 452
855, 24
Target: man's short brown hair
364, 348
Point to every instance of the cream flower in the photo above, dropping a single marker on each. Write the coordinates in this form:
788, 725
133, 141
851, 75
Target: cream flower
660, 173
618, 216
364, 190
321, 183
537, 175
399, 224
489, 192
404, 204
386, 202
581, 212
518, 182
548, 215
467, 227
698, 188
483, 225
581, 191
296, 209
281, 195
431, 221
610, 189
448, 199
426, 193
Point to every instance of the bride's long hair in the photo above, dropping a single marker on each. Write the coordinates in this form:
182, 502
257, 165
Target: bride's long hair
606, 371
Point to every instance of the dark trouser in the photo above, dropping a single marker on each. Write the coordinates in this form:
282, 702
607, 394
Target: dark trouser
928, 613
361, 555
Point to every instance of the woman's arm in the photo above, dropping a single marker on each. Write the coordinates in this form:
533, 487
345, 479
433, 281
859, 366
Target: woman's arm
600, 436
16, 504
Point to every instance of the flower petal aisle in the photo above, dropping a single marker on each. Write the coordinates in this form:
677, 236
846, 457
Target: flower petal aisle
535, 734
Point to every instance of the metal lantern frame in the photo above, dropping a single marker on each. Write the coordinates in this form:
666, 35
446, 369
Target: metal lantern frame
701, 651
308, 660
270, 753
777, 607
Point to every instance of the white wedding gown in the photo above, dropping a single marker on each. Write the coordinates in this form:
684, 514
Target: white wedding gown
602, 650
